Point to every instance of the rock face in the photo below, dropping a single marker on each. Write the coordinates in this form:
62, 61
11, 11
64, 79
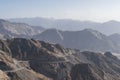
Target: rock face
11, 69
36, 57
86, 39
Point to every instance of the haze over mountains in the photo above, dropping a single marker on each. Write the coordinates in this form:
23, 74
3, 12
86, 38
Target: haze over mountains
107, 28
71, 40
8, 29
37, 53
86, 39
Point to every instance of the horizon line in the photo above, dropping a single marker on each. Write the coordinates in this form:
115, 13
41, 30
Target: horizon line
53, 18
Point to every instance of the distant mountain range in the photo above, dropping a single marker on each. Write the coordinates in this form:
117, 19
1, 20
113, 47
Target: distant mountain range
10, 29
107, 28
43, 58
86, 39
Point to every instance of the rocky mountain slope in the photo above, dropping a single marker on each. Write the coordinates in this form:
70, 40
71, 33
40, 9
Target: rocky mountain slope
87, 39
59, 63
8, 29
11, 69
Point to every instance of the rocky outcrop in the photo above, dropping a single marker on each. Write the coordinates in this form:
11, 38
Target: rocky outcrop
11, 69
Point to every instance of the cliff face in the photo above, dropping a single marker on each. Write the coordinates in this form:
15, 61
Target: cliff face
56, 62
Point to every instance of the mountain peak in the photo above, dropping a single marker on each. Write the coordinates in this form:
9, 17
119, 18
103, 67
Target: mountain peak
96, 33
112, 22
54, 36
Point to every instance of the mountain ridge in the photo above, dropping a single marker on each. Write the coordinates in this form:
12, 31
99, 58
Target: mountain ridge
11, 29
59, 63
108, 27
87, 39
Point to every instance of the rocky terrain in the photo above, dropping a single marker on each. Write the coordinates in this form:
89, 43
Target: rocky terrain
84, 58
11, 69
87, 39
10, 30
29, 59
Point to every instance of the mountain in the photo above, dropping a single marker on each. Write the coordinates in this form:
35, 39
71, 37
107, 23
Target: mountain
87, 39
50, 35
11, 69
55, 62
92, 73
115, 38
47, 23
107, 28
62, 24
10, 29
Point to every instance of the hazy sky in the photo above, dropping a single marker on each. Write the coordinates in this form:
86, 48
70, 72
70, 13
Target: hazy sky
95, 10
